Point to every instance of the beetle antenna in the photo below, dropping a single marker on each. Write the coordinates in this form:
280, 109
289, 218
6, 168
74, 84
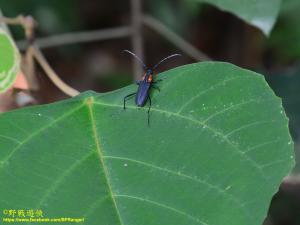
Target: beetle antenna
168, 57
135, 56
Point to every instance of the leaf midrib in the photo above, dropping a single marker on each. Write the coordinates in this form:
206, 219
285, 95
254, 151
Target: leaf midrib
90, 104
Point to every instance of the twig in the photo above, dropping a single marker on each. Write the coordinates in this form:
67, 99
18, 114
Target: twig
28, 68
70, 38
51, 74
174, 38
137, 39
118, 32
3, 25
79, 37
19, 20
27, 22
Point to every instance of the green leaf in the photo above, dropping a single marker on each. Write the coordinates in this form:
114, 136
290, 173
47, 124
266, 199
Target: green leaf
9, 61
216, 151
260, 13
284, 40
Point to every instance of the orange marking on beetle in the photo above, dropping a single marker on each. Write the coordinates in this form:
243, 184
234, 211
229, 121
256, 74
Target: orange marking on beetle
150, 78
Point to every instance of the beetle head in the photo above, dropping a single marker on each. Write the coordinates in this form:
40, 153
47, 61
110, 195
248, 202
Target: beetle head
149, 71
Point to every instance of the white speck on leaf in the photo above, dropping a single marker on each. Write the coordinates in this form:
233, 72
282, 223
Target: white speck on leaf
228, 187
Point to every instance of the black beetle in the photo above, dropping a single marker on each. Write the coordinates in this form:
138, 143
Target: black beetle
145, 85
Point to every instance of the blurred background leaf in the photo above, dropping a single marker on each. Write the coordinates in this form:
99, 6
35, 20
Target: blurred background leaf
285, 38
52, 16
260, 13
9, 60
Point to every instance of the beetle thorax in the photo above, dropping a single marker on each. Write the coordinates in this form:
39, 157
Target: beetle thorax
148, 75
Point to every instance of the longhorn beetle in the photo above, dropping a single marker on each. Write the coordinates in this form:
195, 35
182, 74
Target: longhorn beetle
145, 85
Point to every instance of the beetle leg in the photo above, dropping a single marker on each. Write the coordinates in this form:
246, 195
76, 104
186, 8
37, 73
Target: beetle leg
155, 87
126, 98
149, 98
157, 81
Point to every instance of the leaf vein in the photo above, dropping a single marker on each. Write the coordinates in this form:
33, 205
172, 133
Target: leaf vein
187, 176
198, 122
163, 206
29, 137
222, 82
248, 125
61, 178
232, 107
261, 145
